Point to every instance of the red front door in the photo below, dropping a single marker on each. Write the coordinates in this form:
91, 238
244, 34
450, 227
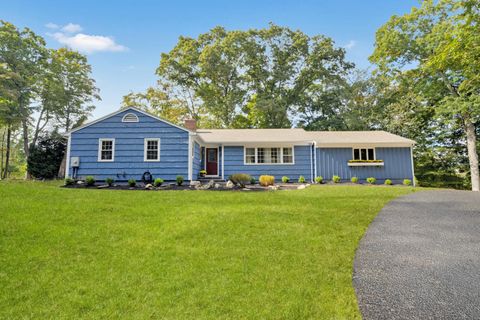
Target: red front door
212, 161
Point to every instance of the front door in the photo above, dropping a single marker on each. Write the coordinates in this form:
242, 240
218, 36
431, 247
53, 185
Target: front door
212, 161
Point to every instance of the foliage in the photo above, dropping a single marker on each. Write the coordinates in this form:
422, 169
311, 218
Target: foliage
241, 179
109, 181
69, 181
253, 181
407, 182
266, 180
336, 179
435, 46
121, 236
388, 182
158, 182
365, 161
132, 183
319, 179
285, 179
301, 179
203, 172
179, 180
354, 179
90, 181
371, 180
45, 157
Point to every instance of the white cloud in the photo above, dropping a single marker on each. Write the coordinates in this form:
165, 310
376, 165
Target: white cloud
72, 28
51, 25
350, 44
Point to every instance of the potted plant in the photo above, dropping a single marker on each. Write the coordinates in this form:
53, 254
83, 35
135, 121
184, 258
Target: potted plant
203, 173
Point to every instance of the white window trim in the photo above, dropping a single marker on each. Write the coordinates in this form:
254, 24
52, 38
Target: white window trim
100, 149
281, 163
218, 162
374, 153
145, 141
130, 114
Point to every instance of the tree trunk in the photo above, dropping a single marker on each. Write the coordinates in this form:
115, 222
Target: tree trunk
1, 154
7, 154
472, 154
26, 149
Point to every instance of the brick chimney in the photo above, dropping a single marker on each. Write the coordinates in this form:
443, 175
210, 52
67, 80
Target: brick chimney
190, 124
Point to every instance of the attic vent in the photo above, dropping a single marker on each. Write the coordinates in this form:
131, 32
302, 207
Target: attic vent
130, 117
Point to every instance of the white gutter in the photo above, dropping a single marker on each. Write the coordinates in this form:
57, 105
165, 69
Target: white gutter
190, 158
315, 159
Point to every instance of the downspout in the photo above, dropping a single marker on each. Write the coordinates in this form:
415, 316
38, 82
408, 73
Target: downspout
413, 169
190, 159
311, 164
223, 162
314, 160
67, 166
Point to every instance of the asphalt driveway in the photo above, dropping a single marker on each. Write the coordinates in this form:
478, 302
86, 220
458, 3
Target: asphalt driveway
420, 258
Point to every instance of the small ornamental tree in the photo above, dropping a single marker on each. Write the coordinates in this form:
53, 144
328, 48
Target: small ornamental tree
46, 156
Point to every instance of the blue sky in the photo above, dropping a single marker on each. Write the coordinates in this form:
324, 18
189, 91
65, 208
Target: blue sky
124, 39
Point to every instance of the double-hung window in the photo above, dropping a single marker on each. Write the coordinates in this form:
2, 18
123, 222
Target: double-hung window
106, 150
261, 155
364, 154
152, 149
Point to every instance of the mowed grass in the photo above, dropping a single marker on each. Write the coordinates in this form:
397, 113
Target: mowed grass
74, 253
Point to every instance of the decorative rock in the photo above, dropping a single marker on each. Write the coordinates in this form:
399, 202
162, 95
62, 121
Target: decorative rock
207, 186
148, 186
275, 187
105, 186
246, 189
300, 187
194, 183
229, 185
307, 185
79, 182
217, 186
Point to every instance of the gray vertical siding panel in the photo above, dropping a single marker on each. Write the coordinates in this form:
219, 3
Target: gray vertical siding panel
234, 163
129, 147
334, 161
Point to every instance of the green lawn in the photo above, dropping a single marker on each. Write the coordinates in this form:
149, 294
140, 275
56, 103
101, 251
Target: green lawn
181, 254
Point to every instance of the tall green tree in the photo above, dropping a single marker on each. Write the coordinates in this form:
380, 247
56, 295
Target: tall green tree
437, 47
22, 53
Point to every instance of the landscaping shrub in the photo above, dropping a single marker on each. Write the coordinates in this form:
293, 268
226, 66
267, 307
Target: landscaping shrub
354, 180
407, 182
180, 180
69, 181
266, 180
301, 179
158, 182
285, 179
388, 182
109, 181
319, 179
203, 173
46, 156
241, 179
90, 181
336, 179
371, 180
132, 183
252, 181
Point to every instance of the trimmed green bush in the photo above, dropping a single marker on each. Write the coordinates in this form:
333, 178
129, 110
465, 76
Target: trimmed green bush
241, 179
69, 181
407, 182
266, 180
253, 181
285, 179
301, 179
132, 183
109, 181
158, 182
179, 180
388, 182
354, 180
371, 180
319, 179
336, 179
90, 181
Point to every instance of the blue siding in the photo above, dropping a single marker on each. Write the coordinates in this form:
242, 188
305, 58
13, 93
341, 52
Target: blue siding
129, 149
334, 161
234, 163
197, 160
